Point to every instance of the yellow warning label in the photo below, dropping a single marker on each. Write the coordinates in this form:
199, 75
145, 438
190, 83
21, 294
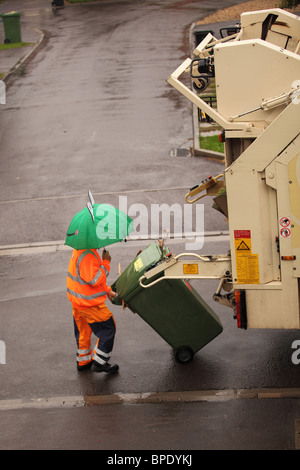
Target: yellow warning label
190, 269
242, 245
247, 266
138, 264
247, 269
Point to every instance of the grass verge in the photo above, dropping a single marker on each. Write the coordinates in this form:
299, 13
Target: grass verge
211, 143
14, 45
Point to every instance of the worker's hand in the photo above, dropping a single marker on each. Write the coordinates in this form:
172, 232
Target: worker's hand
112, 295
106, 255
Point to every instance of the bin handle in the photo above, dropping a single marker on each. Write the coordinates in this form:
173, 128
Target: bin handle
153, 282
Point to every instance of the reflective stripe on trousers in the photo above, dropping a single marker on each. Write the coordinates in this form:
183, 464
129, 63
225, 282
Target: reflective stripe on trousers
100, 356
84, 356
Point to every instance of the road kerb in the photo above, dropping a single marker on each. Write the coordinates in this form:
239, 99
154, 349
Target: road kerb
191, 396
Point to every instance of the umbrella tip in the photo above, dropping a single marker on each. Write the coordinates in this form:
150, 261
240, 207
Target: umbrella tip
91, 197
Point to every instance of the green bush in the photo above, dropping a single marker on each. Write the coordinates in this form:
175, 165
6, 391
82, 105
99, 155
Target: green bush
289, 3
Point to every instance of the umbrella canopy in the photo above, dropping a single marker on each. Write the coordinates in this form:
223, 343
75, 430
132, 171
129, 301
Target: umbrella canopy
97, 226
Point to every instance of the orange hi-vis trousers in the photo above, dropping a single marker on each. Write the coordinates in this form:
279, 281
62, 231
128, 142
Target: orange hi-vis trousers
98, 320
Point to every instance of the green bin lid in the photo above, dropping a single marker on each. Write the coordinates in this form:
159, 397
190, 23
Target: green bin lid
10, 13
128, 281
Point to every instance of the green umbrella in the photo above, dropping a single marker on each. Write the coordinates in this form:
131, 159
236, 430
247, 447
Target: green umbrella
97, 226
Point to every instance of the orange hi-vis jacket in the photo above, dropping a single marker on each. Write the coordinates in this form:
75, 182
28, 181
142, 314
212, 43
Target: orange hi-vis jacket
86, 282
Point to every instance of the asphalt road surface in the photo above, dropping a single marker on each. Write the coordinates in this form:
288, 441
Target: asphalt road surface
92, 110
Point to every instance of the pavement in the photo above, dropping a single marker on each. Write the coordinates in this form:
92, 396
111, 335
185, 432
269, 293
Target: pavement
11, 60
227, 419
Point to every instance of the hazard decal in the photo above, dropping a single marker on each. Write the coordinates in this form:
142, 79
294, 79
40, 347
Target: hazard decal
247, 266
243, 246
284, 227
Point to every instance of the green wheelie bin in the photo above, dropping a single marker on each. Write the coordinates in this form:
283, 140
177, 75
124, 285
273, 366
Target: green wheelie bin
12, 27
172, 307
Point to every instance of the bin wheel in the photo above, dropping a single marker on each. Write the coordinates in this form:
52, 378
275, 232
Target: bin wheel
6, 41
184, 355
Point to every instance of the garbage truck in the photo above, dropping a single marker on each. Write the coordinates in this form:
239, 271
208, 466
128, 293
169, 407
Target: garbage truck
257, 79
256, 73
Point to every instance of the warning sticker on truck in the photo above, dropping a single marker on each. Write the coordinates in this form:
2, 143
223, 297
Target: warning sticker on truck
247, 267
190, 269
285, 227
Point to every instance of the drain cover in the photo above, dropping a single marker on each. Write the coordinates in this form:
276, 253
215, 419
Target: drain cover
180, 153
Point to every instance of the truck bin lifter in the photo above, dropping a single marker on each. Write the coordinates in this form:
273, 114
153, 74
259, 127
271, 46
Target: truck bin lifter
257, 77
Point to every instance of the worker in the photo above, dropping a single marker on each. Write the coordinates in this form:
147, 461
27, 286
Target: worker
87, 291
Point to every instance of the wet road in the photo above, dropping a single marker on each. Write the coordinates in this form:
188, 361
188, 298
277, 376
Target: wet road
93, 110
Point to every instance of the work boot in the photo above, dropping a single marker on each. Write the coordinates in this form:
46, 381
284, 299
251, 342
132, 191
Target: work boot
108, 368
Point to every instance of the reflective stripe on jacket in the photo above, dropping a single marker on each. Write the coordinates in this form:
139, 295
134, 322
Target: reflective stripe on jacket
86, 283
